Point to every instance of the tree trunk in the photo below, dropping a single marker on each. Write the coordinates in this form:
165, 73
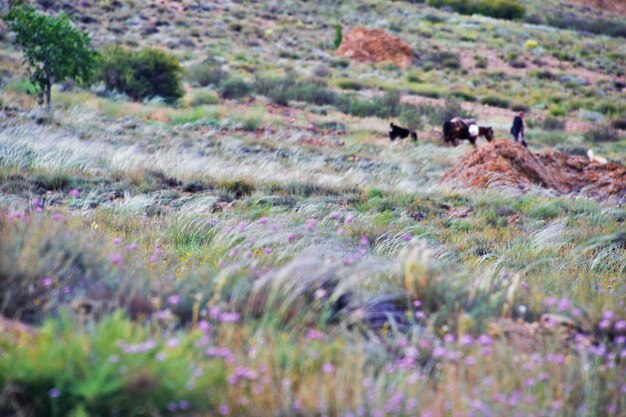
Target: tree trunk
48, 94
48, 84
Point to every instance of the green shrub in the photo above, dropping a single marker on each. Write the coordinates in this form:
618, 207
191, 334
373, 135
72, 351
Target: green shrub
500, 9
203, 98
607, 108
480, 61
601, 133
23, 86
413, 77
609, 27
463, 95
206, 73
557, 110
518, 107
349, 85
411, 117
113, 367
449, 110
234, 88
553, 123
496, 101
547, 210
251, 124
338, 36
428, 91
445, 59
144, 75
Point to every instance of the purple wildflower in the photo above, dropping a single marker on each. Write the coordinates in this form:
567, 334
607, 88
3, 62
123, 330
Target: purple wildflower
328, 368
470, 361
116, 258
313, 334
131, 247
75, 193
466, 340
226, 317
54, 393
550, 301
47, 282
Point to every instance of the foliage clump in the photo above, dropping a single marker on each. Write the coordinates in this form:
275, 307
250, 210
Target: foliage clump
141, 75
500, 9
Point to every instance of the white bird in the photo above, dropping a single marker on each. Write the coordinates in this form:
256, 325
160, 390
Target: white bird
594, 158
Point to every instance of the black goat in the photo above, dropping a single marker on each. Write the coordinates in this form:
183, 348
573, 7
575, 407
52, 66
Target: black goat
396, 131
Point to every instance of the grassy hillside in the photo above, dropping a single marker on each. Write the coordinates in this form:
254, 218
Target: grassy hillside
260, 248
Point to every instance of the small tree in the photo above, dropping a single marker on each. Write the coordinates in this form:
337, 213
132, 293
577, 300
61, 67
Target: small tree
53, 48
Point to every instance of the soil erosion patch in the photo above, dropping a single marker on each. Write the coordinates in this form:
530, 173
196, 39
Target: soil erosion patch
505, 164
372, 45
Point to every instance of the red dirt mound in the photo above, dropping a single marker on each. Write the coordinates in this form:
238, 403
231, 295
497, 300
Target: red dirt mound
372, 45
613, 6
506, 164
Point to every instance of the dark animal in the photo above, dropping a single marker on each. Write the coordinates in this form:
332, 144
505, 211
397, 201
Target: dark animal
619, 82
517, 130
459, 129
396, 131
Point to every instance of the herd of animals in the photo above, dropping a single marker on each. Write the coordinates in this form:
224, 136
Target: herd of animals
467, 129
463, 129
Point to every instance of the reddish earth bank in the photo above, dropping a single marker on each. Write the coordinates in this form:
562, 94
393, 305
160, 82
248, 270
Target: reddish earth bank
503, 163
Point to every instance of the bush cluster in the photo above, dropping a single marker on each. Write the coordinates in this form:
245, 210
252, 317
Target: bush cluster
500, 9
496, 101
206, 73
141, 75
602, 133
614, 28
553, 123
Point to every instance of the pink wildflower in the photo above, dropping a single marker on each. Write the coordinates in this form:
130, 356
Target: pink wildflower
116, 258
328, 368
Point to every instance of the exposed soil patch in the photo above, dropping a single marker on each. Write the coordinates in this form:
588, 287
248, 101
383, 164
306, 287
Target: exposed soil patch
612, 6
507, 164
372, 45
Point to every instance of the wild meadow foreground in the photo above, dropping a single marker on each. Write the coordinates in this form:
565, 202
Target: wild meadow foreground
260, 248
